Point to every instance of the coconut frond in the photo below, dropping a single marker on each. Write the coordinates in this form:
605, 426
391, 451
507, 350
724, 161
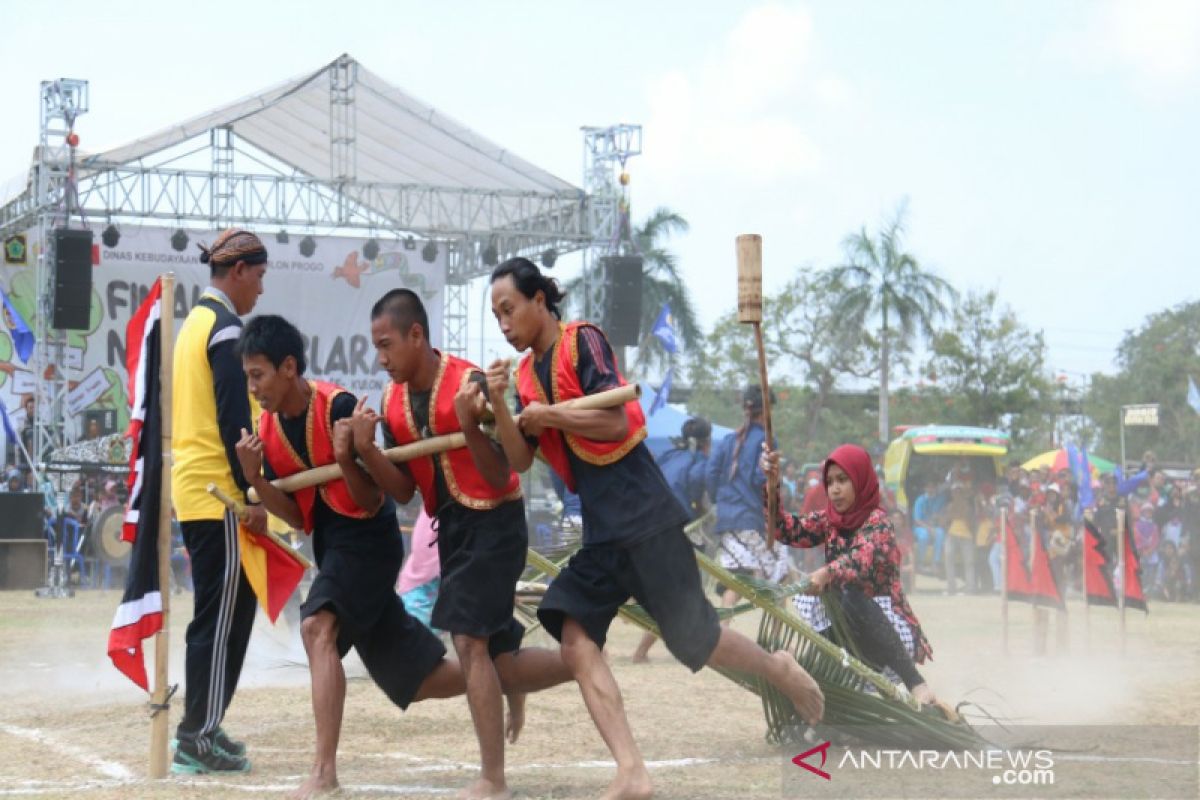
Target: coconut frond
855, 694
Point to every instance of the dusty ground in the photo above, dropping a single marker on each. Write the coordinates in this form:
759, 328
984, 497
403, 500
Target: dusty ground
71, 726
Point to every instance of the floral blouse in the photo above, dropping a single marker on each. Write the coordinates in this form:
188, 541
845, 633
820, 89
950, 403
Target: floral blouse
867, 558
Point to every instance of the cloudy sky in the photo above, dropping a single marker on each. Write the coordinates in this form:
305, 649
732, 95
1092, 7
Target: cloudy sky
1046, 149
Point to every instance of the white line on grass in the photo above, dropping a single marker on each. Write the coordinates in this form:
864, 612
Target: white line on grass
109, 769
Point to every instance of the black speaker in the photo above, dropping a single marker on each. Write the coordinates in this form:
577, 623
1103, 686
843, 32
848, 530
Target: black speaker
23, 563
72, 279
623, 311
22, 515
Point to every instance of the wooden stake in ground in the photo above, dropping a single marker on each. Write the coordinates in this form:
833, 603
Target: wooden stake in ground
1004, 575
1121, 533
749, 262
160, 721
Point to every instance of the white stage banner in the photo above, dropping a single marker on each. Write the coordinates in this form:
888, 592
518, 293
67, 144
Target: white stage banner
327, 295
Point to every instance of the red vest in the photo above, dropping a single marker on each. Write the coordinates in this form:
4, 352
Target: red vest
564, 385
466, 484
284, 459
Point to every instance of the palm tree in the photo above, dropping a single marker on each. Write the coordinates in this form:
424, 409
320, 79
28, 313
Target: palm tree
881, 281
661, 283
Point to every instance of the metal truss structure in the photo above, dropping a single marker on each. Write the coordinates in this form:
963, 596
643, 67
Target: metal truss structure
605, 153
230, 180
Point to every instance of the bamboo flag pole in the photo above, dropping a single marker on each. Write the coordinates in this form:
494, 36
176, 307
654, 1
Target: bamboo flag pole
239, 511
450, 441
160, 721
1087, 608
1121, 533
749, 264
1004, 575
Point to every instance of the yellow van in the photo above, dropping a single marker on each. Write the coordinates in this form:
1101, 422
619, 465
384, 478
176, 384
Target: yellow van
931, 452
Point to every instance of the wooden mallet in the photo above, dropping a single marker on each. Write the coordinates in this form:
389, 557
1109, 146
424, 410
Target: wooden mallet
749, 261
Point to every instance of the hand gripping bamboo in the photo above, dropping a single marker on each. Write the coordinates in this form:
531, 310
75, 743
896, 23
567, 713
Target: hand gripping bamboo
439, 444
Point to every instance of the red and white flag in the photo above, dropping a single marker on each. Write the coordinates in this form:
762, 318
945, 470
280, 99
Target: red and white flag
140, 614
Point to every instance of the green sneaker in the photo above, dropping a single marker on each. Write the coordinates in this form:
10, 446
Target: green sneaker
230, 747
189, 761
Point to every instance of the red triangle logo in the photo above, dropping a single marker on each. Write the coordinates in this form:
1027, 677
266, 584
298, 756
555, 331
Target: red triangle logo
823, 749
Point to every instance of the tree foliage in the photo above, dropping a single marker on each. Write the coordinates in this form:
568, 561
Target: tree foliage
881, 282
1154, 364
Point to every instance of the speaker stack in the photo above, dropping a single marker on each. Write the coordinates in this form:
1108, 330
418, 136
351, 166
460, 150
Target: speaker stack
23, 544
72, 310
623, 300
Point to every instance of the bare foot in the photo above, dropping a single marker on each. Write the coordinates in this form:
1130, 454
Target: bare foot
791, 679
631, 785
640, 658
925, 697
485, 790
319, 784
514, 720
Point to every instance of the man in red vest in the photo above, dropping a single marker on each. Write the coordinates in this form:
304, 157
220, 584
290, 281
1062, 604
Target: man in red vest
352, 602
633, 539
475, 499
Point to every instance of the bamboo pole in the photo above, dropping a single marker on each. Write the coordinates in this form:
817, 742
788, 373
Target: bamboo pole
439, 444
160, 721
239, 511
1087, 608
749, 265
1004, 575
1121, 533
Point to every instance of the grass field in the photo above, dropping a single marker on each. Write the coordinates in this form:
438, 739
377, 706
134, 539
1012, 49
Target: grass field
71, 726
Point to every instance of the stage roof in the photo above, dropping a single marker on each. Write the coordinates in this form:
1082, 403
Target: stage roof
399, 139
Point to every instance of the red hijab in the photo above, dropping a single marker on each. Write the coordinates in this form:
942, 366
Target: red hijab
856, 463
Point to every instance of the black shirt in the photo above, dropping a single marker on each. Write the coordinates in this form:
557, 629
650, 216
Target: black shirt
627, 500
331, 529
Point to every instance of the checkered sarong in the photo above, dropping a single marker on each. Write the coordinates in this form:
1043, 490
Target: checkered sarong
812, 610
749, 550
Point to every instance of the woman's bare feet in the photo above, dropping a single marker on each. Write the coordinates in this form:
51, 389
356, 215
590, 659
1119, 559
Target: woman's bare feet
791, 679
632, 784
319, 784
485, 790
514, 720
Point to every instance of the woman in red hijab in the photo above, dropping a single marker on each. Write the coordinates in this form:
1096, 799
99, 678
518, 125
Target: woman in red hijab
862, 562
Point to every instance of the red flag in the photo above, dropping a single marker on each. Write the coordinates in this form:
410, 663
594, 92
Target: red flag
1017, 579
140, 614
271, 573
1031, 579
1097, 569
1132, 583
1045, 587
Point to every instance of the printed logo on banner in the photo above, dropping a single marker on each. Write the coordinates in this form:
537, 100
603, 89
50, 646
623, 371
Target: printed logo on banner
15, 249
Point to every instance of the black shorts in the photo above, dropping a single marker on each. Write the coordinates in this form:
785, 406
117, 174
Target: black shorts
359, 589
482, 555
659, 572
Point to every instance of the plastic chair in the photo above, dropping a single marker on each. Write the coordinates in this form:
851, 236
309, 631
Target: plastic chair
72, 538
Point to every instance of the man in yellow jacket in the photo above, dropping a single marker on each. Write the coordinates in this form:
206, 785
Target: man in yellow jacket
210, 407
